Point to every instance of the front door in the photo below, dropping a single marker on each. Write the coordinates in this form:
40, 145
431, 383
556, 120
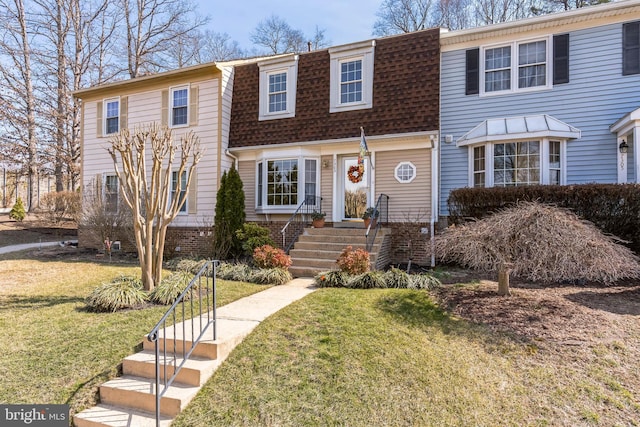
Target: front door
355, 190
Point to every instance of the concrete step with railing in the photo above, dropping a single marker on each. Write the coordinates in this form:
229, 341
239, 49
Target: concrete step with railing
129, 400
317, 249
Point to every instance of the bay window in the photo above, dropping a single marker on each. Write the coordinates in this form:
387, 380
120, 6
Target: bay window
282, 184
505, 164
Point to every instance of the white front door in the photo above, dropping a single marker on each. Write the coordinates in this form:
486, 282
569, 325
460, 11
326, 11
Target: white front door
355, 195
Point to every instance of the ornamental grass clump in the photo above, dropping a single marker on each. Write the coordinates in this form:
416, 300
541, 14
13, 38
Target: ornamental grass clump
540, 243
424, 281
235, 272
331, 279
266, 256
368, 280
271, 276
353, 261
123, 292
396, 278
171, 287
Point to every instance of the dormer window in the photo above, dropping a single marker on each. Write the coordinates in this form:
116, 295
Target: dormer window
278, 78
351, 81
277, 92
351, 75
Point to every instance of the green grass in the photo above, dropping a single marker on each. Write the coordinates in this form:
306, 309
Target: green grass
53, 350
390, 357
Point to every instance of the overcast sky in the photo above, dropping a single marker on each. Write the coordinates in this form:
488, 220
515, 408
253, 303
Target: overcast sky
344, 21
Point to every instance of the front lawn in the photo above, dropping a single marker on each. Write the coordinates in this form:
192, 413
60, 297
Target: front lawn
53, 351
345, 357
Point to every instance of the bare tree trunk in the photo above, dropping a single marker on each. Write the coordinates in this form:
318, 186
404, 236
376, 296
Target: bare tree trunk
32, 146
503, 279
148, 191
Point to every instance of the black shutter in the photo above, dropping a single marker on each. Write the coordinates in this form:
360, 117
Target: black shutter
631, 48
561, 59
472, 84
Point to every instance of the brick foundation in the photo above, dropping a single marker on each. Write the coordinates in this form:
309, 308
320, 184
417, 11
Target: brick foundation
407, 241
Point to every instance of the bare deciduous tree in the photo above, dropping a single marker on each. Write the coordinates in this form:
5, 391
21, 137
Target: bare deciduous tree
151, 26
279, 37
146, 189
403, 16
18, 94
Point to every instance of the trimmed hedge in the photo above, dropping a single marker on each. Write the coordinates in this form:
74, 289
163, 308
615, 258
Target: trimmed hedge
613, 208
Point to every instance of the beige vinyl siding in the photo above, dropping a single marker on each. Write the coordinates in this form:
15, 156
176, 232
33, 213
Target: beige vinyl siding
326, 186
142, 109
247, 171
412, 199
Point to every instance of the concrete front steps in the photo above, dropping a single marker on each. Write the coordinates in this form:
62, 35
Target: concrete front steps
317, 249
129, 400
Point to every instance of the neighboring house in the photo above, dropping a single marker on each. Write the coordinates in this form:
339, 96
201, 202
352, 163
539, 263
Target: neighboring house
548, 100
195, 99
295, 129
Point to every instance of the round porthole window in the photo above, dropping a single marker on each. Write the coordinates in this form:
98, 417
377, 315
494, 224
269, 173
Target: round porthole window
405, 172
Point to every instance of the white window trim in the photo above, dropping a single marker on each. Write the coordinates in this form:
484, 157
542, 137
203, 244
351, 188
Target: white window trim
105, 117
412, 166
186, 199
172, 90
288, 65
544, 160
514, 67
365, 53
266, 208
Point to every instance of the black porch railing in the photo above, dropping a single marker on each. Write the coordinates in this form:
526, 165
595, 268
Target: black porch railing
193, 315
294, 227
380, 216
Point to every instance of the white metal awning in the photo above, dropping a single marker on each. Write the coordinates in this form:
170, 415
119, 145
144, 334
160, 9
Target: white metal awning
521, 127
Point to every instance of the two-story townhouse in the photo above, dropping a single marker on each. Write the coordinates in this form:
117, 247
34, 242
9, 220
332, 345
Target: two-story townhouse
296, 130
548, 100
196, 98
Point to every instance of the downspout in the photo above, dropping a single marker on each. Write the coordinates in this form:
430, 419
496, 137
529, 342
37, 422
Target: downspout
435, 185
235, 159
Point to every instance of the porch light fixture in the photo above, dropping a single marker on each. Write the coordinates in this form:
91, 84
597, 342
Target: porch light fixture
624, 147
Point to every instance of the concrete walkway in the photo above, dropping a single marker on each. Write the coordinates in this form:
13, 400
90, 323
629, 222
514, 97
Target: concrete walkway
128, 400
16, 248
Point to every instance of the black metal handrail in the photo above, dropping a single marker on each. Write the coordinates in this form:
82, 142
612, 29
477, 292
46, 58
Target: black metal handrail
293, 228
380, 216
202, 311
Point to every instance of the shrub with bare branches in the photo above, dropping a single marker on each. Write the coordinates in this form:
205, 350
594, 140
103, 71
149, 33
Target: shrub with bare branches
60, 206
539, 243
100, 222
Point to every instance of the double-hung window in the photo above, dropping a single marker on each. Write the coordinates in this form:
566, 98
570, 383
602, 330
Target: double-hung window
179, 106
517, 66
351, 81
282, 184
179, 189
278, 79
112, 116
351, 77
111, 193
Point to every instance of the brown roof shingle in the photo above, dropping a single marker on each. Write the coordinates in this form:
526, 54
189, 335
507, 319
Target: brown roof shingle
406, 96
